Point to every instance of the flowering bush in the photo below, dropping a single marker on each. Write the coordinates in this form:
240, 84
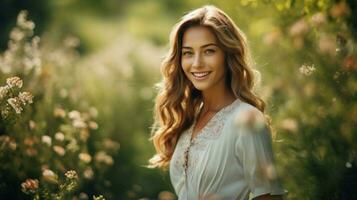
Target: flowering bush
313, 95
42, 135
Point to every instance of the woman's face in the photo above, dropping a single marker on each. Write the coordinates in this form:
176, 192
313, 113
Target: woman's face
202, 59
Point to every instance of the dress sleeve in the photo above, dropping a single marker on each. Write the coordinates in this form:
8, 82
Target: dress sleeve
253, 148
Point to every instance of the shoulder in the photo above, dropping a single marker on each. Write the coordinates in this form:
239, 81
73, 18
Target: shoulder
247, 116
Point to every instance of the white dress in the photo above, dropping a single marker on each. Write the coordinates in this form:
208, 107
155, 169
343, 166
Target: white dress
230, 158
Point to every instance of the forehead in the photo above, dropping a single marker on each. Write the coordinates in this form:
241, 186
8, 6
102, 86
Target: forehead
197, 36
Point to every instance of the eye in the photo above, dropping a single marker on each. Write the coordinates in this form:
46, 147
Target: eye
210, 51
187, 53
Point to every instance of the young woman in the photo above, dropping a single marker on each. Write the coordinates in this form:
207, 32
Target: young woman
209, 128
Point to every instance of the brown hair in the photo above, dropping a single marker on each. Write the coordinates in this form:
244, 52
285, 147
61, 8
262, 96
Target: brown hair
178, 101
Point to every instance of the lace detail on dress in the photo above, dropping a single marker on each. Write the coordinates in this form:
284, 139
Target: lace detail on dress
189, 150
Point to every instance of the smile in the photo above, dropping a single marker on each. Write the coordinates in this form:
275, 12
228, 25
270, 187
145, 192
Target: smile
200, 75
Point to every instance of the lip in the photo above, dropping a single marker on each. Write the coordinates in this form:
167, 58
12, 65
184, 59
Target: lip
201, 75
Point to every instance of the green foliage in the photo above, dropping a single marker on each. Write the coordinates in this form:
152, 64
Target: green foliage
46, 137
84, 104
313, 104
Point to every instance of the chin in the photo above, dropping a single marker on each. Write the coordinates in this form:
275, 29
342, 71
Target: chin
200, 87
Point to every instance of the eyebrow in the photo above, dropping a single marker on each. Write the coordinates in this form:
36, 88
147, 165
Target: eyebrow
203, 46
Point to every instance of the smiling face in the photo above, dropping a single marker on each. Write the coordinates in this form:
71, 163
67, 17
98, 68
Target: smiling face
202, 59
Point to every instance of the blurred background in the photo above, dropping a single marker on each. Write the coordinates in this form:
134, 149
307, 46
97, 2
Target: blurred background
77, 93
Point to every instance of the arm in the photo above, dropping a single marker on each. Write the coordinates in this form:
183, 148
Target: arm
254, 150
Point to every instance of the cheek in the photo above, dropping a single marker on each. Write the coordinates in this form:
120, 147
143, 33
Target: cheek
185, 65
219, 62
216, 62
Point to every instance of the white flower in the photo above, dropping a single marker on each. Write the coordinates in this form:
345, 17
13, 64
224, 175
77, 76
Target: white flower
23, 22
15, 103
307, 69
71, 42
289, 124
32, 125
16, 34
47, 140
88, 173
49, 176
30, 186
93, 125
103, 157
299, 28
3, 92
14, 81
79, 123
25, 97
71, 174
74, 114
59, 150
59, 112
59, 136
85, 157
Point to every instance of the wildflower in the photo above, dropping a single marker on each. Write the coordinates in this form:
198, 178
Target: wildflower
73, 145
307, 69
30, 186
166, 195
83, 196
12, 145
5, 138
30, 141
5, 112
14, 82
23, 22
103, 157
31, 151
71, 42
59, 136
88, 173
84, 134
71, 174
59, 150
85, 157
9, 142
100, 197
79, 123
32, 59
26, 98
15, 103
299, 28
32, 125
47, 140
3, 92
289, 124
49, 176
74, 114
16, 34
348, 165
59, 112
93, 125
111, 145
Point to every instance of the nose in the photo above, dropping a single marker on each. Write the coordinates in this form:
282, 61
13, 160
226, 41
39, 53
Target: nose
197, 61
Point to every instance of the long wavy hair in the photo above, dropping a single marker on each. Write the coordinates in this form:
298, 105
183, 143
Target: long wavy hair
177, 101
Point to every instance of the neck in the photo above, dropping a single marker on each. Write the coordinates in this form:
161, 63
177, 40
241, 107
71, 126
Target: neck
213, 101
